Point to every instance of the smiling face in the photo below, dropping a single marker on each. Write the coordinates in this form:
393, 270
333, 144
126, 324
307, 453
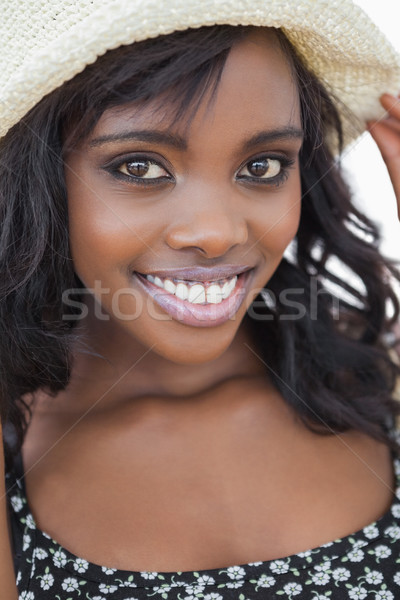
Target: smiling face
184, 224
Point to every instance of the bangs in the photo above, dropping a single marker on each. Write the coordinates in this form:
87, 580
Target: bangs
173, 72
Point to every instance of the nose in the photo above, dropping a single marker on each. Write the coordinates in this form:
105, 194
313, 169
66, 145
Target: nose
210, 222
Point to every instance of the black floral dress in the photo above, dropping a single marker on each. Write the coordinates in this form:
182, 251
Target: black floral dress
363, 565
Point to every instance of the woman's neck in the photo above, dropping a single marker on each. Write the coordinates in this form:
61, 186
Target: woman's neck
110, 368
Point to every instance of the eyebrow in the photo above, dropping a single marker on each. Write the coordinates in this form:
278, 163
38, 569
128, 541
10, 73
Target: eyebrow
274, 135
180, 143
145, 135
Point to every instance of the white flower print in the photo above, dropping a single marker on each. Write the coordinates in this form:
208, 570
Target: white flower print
127, 583
358, 544
382, 551
59, 559
374, 577
393, 532
358, 593
397, 578
384, 595
106, 588
325, 566
213, 596
16, 503
396, 511
163, 589
327, 545
255, 564
40, 554
108, 571
320, 578
30, 522
98, 598
279, 566
265, 581
371, 531
236, 572
304, 554
19, 577
194, 590
27, 596
356, 555
46, 581
292, 589
149, 574
80, 565
233, 585
179, 584
26, 542
70, 584
206, 580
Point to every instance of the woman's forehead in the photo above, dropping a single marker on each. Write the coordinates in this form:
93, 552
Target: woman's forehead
257, 84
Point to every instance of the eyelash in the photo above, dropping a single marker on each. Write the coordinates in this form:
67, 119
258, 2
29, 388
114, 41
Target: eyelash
114, 169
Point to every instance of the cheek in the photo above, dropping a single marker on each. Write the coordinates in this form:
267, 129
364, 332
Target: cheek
106, 235
96, 235
278, 220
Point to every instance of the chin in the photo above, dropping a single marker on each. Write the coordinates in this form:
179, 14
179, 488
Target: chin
192, 355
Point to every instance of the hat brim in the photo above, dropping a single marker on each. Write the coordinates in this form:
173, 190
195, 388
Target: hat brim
336, 40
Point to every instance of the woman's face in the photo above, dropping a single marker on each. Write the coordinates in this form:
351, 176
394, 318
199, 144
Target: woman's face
174, 229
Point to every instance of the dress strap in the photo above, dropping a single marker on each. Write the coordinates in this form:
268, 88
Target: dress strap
16, 504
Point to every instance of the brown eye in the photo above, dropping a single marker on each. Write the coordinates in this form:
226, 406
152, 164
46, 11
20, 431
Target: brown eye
264, 168
138, 168
143, 168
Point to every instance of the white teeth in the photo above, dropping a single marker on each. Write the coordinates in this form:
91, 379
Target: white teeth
182, 291
197, 294
214, 294
231, 284
225, 290
228, 287
169, 286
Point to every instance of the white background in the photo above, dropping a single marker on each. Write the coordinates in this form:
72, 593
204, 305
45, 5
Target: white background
366, 171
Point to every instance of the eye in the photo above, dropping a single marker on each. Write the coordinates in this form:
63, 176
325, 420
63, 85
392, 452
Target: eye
261, 168
142, 168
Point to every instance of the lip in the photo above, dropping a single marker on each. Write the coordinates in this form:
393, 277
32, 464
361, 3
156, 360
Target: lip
201, 273
198, 315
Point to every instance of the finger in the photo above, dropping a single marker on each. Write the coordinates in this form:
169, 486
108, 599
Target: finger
391, 122
389, 145
387, 138
391, 104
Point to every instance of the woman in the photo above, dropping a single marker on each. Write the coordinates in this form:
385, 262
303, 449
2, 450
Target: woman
183, 438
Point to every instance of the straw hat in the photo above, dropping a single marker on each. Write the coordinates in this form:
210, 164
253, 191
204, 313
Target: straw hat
46, 42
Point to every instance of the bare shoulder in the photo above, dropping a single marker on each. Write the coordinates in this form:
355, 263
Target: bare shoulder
339, 482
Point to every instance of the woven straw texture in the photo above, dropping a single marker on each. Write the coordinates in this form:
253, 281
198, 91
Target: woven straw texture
47, 42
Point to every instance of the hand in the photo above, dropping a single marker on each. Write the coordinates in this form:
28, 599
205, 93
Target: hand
386, 134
